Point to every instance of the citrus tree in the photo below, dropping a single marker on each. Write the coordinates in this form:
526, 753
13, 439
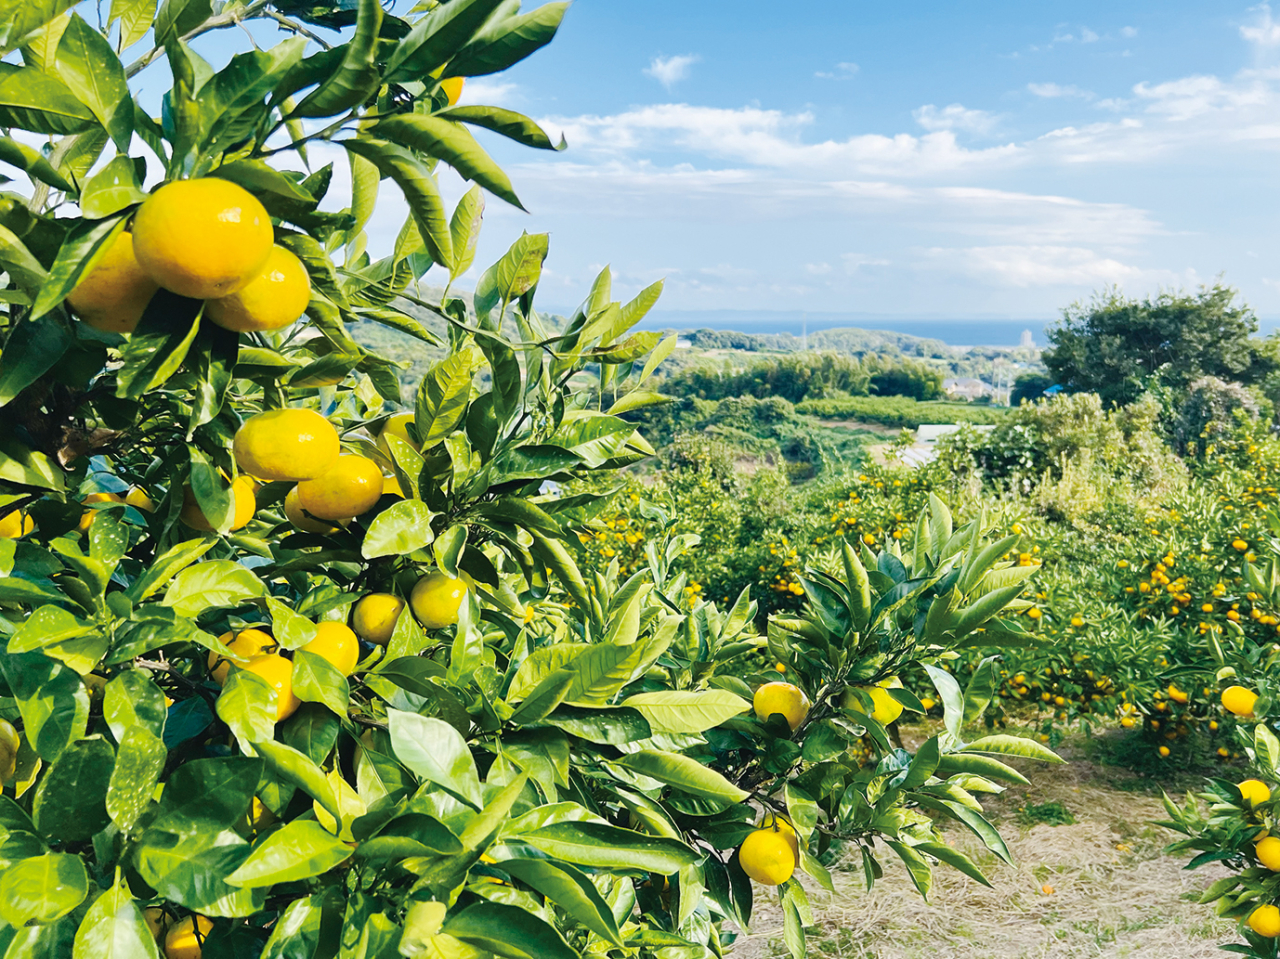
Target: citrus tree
295, 665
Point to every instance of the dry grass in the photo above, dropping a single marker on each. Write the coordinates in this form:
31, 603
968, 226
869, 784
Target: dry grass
1114, 894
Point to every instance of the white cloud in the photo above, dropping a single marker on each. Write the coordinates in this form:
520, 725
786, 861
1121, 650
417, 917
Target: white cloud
1194, 96
1056, 90
842, 71
853, 262
770, 138
1028, 266
670, 70
1263, 31
817, 269
1128, 32
489, 92
955, 117
1088, 36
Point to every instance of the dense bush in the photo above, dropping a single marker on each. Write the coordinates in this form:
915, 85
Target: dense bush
898, 411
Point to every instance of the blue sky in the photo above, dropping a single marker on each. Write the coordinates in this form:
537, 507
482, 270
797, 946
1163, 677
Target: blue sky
941, 159
993, 159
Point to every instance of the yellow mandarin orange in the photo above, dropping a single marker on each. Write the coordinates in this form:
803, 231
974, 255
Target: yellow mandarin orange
185, 938
114, 294
784, 698
1238, 700
9, 745
202, 238
138, 499
1268, 852
156, 920
374, 617
89, 515
1265, 921
296, 515
452, 88
398, 426
766, 856
289, 444
244, 502
436, 599
337, 644
247, 644
16, 525
351, 487
1254, 791
885, 709
278, 672
276, 297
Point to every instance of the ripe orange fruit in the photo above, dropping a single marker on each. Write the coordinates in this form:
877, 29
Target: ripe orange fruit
9, 744
1268, 852
185, 938
290, 444
114, 294
766, 856
1265, 921
242, 496
337, 644
278, 672
16, 525
248, 644
138, 499
784, 698
156, 920
1254, 791
296, 515
274, 298
202, 238
89, 515
351, 487
374, 617
1238, 700
885, 709
452, 88
397, 425
436, 599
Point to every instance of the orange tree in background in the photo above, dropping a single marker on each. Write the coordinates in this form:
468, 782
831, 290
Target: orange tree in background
290, 671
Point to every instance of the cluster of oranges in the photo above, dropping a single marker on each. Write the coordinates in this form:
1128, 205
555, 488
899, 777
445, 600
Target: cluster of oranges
208, 239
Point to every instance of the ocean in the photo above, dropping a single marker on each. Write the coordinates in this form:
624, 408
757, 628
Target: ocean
955, 332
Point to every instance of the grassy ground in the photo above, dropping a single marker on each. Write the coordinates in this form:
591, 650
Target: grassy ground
1089, 881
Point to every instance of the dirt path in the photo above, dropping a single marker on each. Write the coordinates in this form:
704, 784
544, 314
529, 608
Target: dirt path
1098, 887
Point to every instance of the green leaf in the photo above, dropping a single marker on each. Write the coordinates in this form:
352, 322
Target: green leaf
52, 699
508, 931
508, 123
1013, 746
176, 18
605, 725
113, 188
443, 396
92, 71
357, 77
398, 530
464, 231
218, 582
437, 37
954, 858
419, 188
296, 767
43, 888
135, 18
33, 348
139, 762
114, 928
47, 625
291, 630
452, 143
679, 711
19, 19
543, 698
974, 764
297, 850
507, 42
71, 799
316, 680
247, 704
33, 162
601, 846
684, 773
31, 99
159, 344
85, 244
167, 565
21, 265
435, 751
